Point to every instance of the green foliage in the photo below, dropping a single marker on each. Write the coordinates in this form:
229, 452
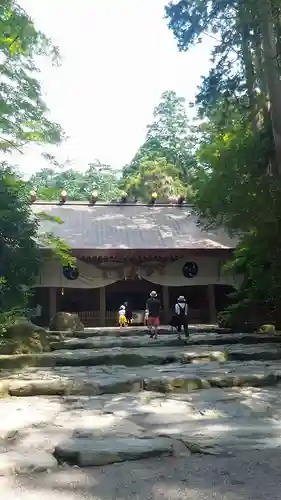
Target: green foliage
22, 110
170, 130
237, 182
49, 182
21, 245
164, 161
156, 176
19, 252
23, 119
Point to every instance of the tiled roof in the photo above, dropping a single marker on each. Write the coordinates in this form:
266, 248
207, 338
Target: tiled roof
130, 227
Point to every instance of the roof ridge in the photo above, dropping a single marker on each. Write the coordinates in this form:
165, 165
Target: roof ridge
109, 204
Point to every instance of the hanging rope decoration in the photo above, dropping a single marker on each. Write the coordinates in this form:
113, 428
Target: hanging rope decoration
190, 270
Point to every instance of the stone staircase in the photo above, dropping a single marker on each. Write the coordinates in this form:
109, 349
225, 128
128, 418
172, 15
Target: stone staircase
110, 395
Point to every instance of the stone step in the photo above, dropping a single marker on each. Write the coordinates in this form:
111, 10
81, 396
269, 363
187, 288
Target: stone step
61, 342
114, 356
42, 432
137, 331
86, 452
139, 357
176, 377
110, 342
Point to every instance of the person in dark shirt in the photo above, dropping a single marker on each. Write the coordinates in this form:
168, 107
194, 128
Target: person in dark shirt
129, 312
181, 311
153, 305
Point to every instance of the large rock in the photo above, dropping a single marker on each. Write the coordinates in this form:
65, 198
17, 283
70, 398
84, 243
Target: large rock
89, 452
266, 329
52, 387
66, 322
26, 462
24, 337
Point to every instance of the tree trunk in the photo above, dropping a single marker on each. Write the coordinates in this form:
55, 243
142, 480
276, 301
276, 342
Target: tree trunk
244, 28
261, 78
272, 73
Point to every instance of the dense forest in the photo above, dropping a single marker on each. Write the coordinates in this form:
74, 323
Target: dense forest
227, 162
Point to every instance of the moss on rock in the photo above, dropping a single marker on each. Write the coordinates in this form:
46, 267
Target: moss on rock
66, 322
177, 384
23, 337
266, 329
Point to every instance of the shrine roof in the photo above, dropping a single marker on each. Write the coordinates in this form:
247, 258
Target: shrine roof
130, 226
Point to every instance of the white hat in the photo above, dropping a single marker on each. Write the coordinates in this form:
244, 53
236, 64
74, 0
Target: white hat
181, 298
153, 294
122, 307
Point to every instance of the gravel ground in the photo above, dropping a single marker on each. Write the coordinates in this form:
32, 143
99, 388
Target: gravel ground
247, 476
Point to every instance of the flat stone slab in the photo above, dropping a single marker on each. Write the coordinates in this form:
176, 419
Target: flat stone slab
175, 377
105, 429
89, 452
164, 340
155, 355
113, 356
111, 342
117, 336
26, 462
116, 331
250, 475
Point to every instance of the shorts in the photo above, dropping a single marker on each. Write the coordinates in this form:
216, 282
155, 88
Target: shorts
153, 321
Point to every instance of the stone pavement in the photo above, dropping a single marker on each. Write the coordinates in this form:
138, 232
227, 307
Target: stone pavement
112, 402
247, 476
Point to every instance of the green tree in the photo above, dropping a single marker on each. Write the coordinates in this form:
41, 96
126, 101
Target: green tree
167, 144
23, 112
23, 118
19, 251
79, 186
170, 127
21, 242
237, 180
156, 176
246, 59
103, 179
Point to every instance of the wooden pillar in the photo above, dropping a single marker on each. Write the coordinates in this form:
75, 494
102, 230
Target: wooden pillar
212, 304
102, 305
53, 301
166, 303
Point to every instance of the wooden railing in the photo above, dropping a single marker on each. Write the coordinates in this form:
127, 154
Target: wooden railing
90, 318
93, 318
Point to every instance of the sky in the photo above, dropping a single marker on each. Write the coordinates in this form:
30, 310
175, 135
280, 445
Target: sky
118, 56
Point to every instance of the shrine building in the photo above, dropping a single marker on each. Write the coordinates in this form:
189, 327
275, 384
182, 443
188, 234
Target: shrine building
125, 250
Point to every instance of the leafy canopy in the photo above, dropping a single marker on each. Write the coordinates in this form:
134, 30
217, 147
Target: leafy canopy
237, 177
23, 112
49, 182
23, 119
165, 159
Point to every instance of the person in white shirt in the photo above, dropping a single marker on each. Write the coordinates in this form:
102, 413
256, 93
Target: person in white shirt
181, 312
145, 319
36, 314
122, 316
38, 311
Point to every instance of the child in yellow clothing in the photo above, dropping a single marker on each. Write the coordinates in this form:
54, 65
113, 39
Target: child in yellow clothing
122, 316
